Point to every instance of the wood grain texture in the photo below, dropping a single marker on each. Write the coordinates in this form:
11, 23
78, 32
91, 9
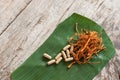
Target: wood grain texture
26, 24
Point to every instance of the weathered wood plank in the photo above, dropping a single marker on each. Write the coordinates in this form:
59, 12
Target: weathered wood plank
9, 11
38, 20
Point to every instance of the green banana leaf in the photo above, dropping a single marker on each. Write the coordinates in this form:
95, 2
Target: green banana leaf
35, 67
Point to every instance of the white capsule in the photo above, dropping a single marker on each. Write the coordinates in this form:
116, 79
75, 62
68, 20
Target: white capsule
69, 59
68, 53
58, 60
71, 49
47, 56
51, 62
64, 55
59, 55
66, 47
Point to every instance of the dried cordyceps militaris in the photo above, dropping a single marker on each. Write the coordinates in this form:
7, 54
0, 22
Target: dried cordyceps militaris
87, 44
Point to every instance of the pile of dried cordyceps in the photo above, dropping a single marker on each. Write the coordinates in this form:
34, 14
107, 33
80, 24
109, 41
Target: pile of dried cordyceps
87, 44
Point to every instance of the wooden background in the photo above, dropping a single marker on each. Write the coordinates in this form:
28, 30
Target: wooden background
26, 24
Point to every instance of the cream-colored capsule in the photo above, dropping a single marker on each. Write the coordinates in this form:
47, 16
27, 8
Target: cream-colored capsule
59, 55
69, 59
51, 62
64, 55
71, 49
47, 56
58, 60
68, 53
66, 47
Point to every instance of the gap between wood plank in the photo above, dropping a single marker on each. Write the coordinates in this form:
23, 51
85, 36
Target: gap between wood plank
15, 18
66, 11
